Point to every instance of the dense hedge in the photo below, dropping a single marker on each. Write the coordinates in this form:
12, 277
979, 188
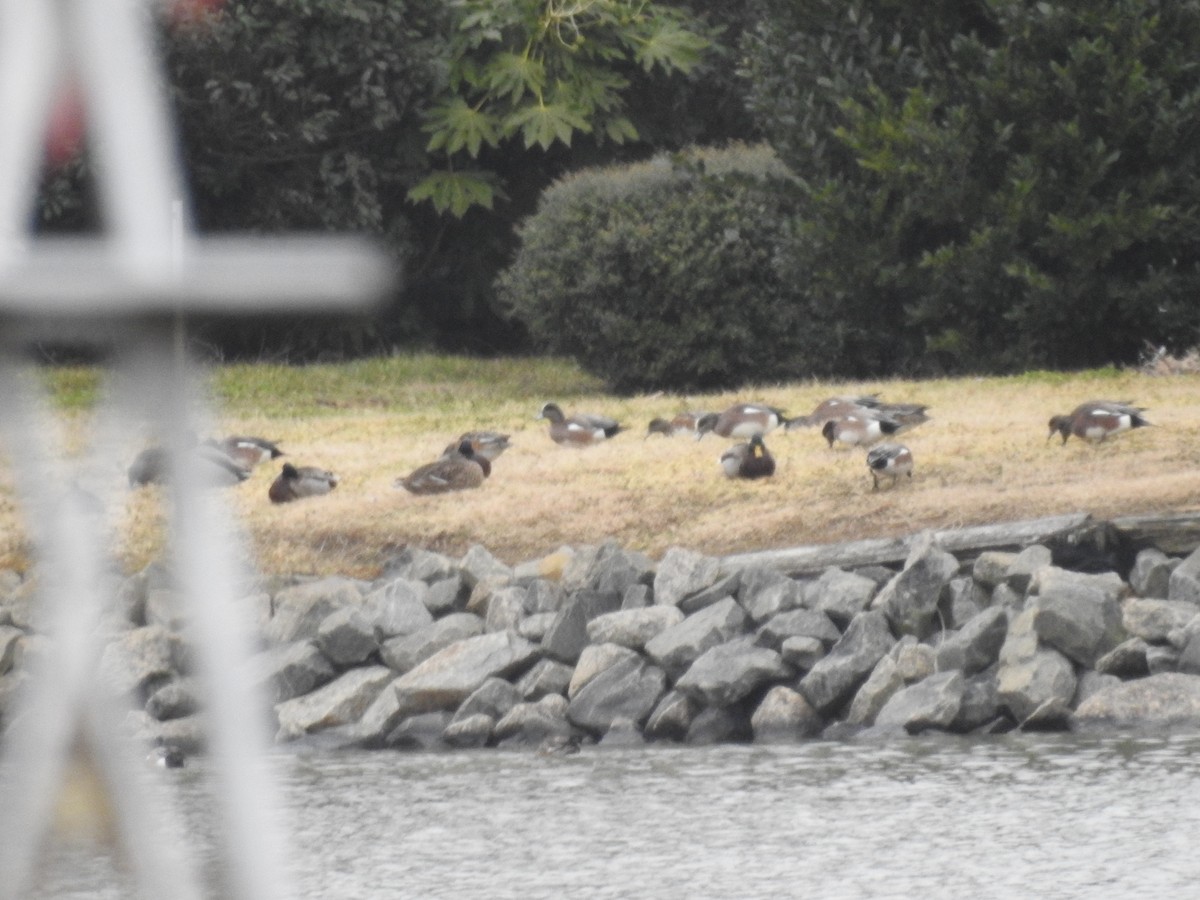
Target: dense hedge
661, 274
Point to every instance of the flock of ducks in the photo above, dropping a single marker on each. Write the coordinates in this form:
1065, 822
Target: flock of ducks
861, 421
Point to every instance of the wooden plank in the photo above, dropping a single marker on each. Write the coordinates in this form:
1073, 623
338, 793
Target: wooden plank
1175, 535
883, 551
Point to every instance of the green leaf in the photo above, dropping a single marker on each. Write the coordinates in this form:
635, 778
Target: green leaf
543, 124
512, 75
456, 192
620, 130
456, 125
671, 47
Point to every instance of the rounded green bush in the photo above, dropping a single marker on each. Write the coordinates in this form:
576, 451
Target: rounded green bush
661, 275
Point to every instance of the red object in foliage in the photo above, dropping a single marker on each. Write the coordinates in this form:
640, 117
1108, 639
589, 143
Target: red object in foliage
192, 12
64, 134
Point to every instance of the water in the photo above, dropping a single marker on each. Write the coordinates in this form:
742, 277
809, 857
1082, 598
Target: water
1013, 816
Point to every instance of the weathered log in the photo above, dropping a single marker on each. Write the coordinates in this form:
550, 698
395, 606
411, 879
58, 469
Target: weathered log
964, 542
1175, 535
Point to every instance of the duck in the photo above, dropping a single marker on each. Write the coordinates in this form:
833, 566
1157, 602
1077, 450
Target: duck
213, 466
858, 429
889, 459
742, 420
833, 408
682, 423
247, 451
486, 444
749, 460
1096, 420
297, 482
458, 471
166, 756
580, 429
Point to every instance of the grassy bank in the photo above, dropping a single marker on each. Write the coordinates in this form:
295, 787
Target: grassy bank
983, 457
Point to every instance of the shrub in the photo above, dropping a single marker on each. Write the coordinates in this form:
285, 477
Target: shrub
661, 275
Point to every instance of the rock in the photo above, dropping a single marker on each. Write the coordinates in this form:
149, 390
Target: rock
1161, 659
933, 702
1127, 660
407, 651
1028, 561
614, 570
797, 623
719, 725
534, 627
445, 679
840, 595
622, 732
979, 704
784, 715
1150, 576
139, 659
446, 596
992, 567
1042, 684
1051, 579
1154, 620
494, 698
835, 678
961, 601
398, 607
341, 702
506, 609
910, 599
9, 642
595, 659
469, 732
346, 637
567, 635
164, 606
719, 590
801, 653
551, 567
478, 564
1183, 585
765, 597
671, 718
1159, 701
576, 567
174, 700
1188, 661
290, 670
420, 732
729, 672
529, 724
1008, 598
300, 610
1081, 621
676, 648
632, 627
23, 607
976, 645
914, 661
637, 596
546, 677
1092, 683
544, 596
629, 688
420, 565
682, 573
884, 681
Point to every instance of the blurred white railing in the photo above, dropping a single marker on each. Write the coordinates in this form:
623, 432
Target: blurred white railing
124, 289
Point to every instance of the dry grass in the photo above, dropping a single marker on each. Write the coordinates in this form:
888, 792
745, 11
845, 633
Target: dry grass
983, 458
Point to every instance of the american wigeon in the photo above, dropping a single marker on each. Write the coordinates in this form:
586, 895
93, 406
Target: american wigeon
683, 423
858, 429
749, 460
297, 482
742, 420
212, 466
1096, 420
458, 471
578, 430
486, 444
247, 451
833, 408
890, 459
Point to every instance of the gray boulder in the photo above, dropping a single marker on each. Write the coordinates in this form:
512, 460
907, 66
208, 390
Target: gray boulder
727, 673
135, 660
494, 698
529, 724
682, 573
976, 645
567, 635
407, 651
837, 675
992, 567
9, 642
725, 586
543, 596
534, 627
910, 599
1184, 582
933, 702
769, 594
801, 652
980, 703
840, 595
671, 718
346, 637
341, 702
446, 596
469, 732
962, 600
1126, 660
398, 607
632, 627
1150, 576
719, 725
446, 679
637, 596
1168, 700
1080, 620
506, 609
797, 623
420, 565
546, 677
1024, 565
478, 564
424, 731
881, 685
594, 660
784, 715
299, 610
290, 670
1050, 579
1036, 689
628, 689
676, 648
1154, 620
177, 698
614, 569
622, 732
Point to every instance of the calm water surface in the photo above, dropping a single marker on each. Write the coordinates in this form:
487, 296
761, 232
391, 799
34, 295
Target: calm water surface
1017, 816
